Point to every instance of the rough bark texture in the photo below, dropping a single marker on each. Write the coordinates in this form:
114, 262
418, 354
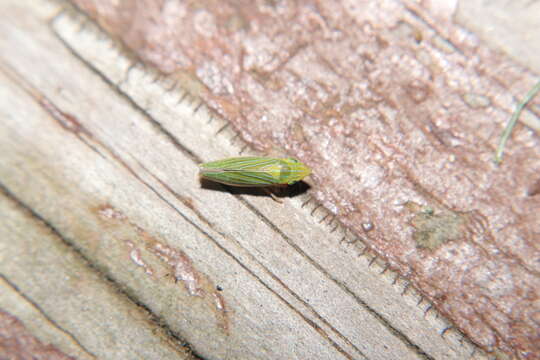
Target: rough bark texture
398, 111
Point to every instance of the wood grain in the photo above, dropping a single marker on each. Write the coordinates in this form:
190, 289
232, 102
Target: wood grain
107, 218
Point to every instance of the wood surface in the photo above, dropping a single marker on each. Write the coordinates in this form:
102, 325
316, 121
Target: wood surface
398, 109
110, 246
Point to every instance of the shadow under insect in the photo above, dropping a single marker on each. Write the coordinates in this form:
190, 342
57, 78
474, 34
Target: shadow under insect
277, 191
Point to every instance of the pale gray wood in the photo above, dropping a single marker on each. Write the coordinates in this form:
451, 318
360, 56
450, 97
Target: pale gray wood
53, 291
509, 26
32, 317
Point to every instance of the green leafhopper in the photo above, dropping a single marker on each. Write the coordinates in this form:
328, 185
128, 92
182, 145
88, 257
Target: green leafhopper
254, 171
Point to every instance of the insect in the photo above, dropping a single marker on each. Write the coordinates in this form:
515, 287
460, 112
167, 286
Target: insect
254, 171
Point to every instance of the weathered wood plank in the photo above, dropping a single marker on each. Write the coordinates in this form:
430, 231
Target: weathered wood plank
392, 103
63, 301
104, 208
142, 88
78, 189
114, 172
32, 317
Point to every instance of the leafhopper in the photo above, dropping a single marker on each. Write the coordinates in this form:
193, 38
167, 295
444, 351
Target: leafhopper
254, 171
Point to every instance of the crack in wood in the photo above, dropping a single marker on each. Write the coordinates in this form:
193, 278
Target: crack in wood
152, 317
16, 289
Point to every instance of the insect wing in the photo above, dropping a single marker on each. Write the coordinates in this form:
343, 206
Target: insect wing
243, 171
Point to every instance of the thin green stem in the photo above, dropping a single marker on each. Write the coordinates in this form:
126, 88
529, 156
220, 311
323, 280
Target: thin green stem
510, 126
